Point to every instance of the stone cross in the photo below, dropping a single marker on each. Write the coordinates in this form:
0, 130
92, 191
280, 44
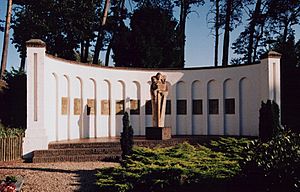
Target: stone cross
159, 93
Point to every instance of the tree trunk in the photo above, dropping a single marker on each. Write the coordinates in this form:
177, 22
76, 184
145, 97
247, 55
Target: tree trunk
82, 51
6, 38
100, 31
253, 23
181, 32
217, 25
226, 33
285, 31
86, 51
108, 52
23, 61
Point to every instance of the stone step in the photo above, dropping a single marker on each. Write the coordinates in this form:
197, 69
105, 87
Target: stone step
84, 145
76, 158
79, 151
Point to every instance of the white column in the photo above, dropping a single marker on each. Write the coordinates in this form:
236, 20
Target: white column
271, 71
35, 135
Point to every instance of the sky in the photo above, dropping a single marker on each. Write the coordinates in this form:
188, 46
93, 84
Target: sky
199, 41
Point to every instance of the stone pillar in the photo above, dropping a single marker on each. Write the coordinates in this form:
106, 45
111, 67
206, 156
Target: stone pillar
35, 134
270, 74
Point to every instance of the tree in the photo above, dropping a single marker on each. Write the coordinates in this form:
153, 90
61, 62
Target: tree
290, 80
283, 15
185, 9
13, 99
150, 43
216, 21
100, 35
63, 25
232, 11
6, 39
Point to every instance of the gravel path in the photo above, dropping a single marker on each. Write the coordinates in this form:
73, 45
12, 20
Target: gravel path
60, 177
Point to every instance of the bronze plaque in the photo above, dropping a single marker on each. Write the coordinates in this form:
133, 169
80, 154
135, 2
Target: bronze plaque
120, 107
105, 107
134, 107
91, 106
77, 106
65, 105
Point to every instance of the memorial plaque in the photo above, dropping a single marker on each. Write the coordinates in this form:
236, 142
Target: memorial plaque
105, 107
197, 107
77, 106
64, 105
134, 107
91, 106
120, 107
181, 107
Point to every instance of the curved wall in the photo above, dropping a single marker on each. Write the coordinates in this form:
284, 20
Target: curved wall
83, 101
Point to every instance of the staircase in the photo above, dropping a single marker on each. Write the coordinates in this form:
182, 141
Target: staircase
78, 152
98, 150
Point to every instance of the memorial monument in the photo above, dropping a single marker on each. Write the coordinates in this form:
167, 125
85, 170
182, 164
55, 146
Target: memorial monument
159, 93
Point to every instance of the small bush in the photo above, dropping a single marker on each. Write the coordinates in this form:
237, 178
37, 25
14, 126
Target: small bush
275, 165
126, 137
10, 132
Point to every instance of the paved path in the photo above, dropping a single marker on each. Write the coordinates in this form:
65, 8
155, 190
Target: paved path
55, 177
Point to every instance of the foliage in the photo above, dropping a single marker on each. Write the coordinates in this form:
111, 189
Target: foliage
231, 147
126, 137
268, 120
13, 99
290, 78
151, 41
177, 168
10, 132
63, 25
275, 165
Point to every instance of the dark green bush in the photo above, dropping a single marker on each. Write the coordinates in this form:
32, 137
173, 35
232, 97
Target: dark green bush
268, 120
126, 137
275, 165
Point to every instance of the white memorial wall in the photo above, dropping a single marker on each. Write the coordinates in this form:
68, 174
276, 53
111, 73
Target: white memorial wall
68, 100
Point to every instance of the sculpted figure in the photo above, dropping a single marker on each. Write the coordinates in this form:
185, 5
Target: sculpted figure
159, 93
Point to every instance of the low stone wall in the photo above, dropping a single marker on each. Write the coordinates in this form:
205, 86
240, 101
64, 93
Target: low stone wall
11, 148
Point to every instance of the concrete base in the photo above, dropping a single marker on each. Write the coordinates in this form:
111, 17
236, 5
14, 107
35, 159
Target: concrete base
35, 139
158, 133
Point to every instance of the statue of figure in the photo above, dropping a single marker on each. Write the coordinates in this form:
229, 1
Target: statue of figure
159, 93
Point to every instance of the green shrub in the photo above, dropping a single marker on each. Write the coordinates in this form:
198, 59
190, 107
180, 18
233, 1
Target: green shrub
126, 137
275, 165
231, 147
268, 120
169, 169
10, 132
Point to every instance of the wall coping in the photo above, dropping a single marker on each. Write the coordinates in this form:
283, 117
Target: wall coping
146, 69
